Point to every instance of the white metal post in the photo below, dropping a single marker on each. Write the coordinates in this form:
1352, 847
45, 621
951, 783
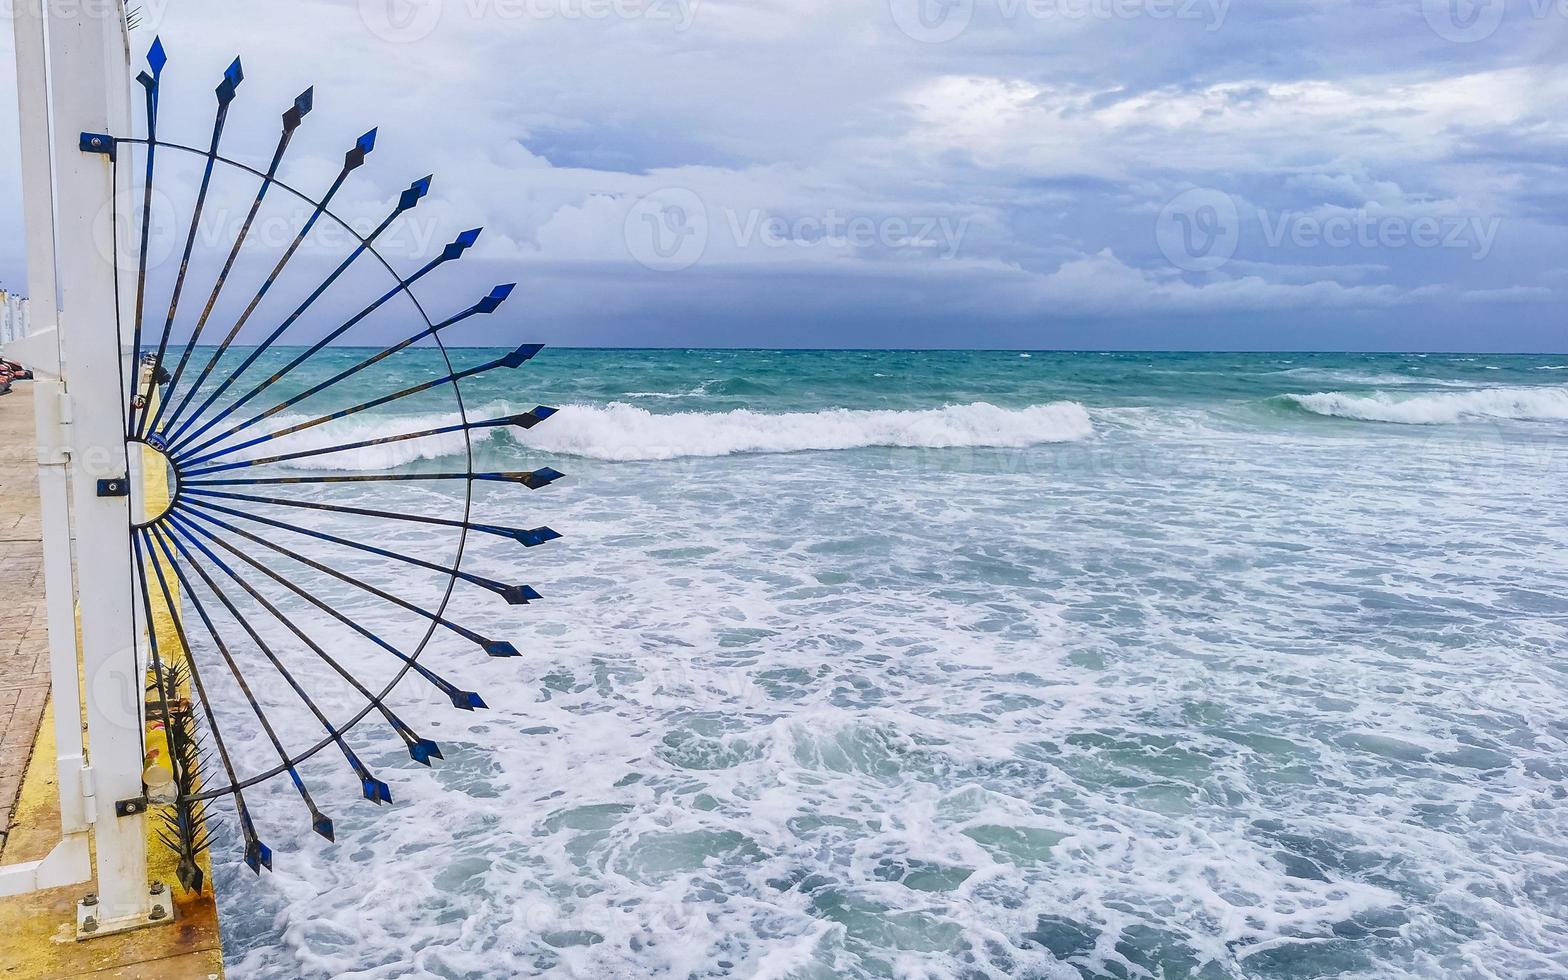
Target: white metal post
50, 410
89, 92
68, 863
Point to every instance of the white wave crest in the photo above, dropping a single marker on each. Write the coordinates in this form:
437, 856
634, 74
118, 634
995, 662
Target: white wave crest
1524, 404
363, 428
625, 432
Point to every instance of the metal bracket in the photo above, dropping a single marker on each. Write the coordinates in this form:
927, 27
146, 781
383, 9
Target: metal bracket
131, 807
119, 486
98, 143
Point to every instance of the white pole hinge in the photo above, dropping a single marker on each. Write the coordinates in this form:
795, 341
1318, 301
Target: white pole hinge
88, 794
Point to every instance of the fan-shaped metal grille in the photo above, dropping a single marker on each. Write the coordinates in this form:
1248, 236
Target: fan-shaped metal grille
250, 426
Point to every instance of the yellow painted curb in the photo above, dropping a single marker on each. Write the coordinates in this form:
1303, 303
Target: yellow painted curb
37, 931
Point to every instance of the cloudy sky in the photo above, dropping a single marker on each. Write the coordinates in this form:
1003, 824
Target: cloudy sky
1252, 174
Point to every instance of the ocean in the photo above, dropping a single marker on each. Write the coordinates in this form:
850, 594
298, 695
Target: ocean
954, 665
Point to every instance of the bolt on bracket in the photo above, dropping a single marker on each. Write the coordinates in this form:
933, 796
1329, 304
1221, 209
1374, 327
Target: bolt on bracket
98, 143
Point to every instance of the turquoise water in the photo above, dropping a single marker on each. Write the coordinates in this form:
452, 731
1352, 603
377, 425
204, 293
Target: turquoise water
965, 664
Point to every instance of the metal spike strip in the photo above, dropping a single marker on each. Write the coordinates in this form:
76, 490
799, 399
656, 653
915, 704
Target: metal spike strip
257, 854
319, 821
291, 120
182, 755
184, 830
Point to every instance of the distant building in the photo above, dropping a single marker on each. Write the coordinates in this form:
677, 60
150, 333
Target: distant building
13, 316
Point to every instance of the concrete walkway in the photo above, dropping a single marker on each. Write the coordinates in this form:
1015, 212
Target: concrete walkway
24, 650
36, 930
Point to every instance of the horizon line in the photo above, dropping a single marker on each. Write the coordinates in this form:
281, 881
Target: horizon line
951, 350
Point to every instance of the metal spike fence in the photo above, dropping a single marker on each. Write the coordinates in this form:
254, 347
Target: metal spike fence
238, 547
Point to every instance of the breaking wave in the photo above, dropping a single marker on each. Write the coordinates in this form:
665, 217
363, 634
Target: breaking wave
366, 427
625, 432
620, 431
1524, 404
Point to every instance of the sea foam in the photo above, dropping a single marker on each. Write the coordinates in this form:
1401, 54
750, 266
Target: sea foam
1524, 404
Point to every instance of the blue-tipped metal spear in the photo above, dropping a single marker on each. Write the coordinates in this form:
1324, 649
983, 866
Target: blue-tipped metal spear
406, 201
532, 479
527, 537
421, 750
495, 648
257, 854
353, 160
452, 251
156, 59
523, 420
465, 700
319, 821
225, 94
516, 595
511, 360
291, 120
